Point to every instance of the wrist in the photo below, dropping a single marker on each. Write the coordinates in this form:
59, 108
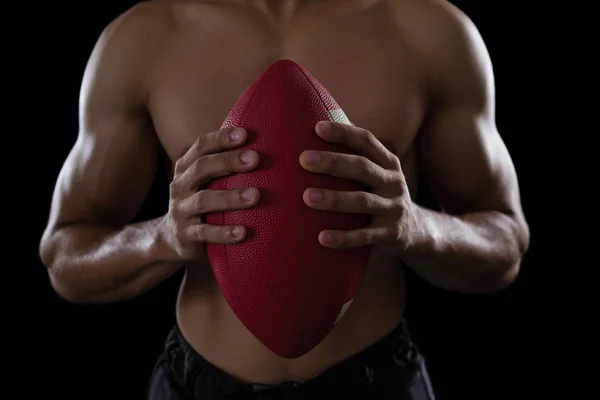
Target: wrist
161, 246
420, 233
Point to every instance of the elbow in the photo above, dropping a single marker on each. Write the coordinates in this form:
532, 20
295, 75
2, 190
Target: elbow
496, 282
67, 292
64, 286
73, 288
481, 281
73, 292
47, 250
57, 267
507, 270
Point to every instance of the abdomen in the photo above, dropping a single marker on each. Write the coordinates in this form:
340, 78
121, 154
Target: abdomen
213, 330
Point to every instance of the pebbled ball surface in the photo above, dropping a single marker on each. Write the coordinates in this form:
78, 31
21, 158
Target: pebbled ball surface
282, 284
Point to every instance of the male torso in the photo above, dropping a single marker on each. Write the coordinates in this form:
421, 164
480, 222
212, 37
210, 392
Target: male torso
201, 55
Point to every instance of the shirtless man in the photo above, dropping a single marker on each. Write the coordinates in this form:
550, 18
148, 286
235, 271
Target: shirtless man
414, 74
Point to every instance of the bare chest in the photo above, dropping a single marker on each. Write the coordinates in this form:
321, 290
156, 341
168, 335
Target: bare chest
361, 60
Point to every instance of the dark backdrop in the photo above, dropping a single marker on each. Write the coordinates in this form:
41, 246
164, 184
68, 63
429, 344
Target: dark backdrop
478, 346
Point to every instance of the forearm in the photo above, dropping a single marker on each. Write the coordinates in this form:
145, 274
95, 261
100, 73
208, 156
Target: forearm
475, 252
94, 264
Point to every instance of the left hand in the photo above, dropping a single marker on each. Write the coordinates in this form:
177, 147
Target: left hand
389, 202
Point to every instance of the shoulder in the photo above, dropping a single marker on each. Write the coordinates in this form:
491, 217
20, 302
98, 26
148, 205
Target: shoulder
145, 30
451, 48
125, 48
436, 23
136, 27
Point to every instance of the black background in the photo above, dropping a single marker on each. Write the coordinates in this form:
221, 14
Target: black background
477, 346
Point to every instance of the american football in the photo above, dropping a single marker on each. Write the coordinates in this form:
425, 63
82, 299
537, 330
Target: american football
283, 285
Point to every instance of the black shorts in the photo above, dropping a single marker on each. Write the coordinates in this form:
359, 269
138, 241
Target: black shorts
391, 368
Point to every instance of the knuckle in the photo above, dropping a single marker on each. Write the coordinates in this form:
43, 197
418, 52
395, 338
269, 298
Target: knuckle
201, 232
393, 180
209, 141
231, 159
368, 237
396, 232
344, 129
178, 231
332, 199
176, 210
199, 143
198, 167
399, 209
398, 205
395, 206
404, 211
176, 188
347, 240
200, 202
365, 201
223, 136
363, 166
395, 162
173, 186
365, 137
330, 161
178, 167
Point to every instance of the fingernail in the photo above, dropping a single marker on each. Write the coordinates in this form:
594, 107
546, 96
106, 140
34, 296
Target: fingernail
236, 135
248, 194
247, 157
315, 195
311, 157
328, 238
236, 231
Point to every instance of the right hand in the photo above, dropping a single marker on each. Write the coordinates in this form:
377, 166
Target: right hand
204, 161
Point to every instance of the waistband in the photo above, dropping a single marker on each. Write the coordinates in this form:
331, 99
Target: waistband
201, 379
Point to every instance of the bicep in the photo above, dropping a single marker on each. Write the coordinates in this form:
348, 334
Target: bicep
462, 155
466, 163
111, 166
106, 176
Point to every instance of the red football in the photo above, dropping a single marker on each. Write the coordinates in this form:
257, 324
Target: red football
282, 284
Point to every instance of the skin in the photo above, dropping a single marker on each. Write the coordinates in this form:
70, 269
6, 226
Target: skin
411, 74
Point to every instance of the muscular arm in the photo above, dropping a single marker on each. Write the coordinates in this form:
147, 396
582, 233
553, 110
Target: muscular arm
477, 243
92, 252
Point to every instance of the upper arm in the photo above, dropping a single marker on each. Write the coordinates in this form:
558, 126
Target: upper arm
462, 155
111, 166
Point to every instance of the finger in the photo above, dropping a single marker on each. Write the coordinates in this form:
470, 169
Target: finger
361, 140
347, 166
207, 201
211, 143
216, 165
352, 239
219, 234
347, 202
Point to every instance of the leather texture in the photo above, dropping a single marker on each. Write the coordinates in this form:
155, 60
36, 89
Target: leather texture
282, 284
